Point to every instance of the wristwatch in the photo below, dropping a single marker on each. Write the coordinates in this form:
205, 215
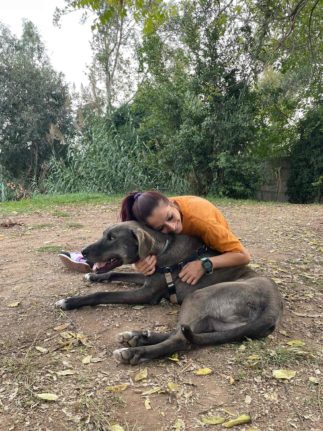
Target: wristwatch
207, 265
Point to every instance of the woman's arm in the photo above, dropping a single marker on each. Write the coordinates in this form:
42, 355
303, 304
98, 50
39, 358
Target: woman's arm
193, 271
231, 259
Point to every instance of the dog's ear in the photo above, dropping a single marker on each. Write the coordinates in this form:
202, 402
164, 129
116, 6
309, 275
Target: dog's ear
145, 241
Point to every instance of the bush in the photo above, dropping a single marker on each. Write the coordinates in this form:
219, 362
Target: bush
110, 160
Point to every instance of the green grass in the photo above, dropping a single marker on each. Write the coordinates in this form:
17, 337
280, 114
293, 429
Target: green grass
50, 202
257, 354
50, 249
73, 225
59, 213
41, 226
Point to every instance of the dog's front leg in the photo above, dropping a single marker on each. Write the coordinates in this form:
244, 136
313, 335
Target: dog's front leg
126, 277
145, 295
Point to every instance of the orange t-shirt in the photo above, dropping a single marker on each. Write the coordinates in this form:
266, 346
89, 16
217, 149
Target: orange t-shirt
202, 219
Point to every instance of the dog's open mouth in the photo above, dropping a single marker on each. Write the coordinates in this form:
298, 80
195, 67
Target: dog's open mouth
101, 267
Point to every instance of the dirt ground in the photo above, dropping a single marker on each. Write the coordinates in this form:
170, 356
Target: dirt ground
69, 354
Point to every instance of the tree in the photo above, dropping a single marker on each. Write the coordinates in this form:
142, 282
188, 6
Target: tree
34, 106
305, 184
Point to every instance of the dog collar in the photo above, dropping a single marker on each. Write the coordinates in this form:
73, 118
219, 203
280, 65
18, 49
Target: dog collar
178, 266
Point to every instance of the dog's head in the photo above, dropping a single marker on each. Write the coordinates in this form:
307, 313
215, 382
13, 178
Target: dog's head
122, 243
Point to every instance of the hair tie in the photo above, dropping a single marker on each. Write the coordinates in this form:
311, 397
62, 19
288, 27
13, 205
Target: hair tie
136, 196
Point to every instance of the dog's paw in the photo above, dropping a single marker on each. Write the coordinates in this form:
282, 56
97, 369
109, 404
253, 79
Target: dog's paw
62, 304
87, 277
133, 338
131, 356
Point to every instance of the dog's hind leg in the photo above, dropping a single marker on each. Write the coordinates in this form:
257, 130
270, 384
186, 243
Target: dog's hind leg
142, 338
258, 328
126, 277
136, 355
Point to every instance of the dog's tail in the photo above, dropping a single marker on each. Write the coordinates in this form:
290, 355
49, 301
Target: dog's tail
259, 328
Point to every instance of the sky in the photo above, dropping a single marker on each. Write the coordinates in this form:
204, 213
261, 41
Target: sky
68, 47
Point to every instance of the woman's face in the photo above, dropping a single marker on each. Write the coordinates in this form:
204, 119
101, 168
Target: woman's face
165, 218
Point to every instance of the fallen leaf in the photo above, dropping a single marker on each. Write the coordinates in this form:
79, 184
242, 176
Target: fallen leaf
253, 358
174, 357
284, 374
138, 307
179, 425
13, 304
147, 404
242, 419
41, 349
87, 359
67, 335
212, 420
61, 327
242, 347
115, 427
254, 265
314, 380
46, 396
273, 396
95, 360
152, 391
283, 332
231, 380
141, 375
82, 339
117, 388
296, 343
203, 371
248, 400
65, 373
173, 387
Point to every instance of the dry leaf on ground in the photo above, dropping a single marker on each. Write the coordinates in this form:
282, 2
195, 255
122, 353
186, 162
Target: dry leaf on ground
203, 371
13, 304
284, 374
242, 419
212, 420
143, 374
117, 388
46, 396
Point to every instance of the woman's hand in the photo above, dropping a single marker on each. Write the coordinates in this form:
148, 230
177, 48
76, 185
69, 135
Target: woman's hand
192, 272
146, 266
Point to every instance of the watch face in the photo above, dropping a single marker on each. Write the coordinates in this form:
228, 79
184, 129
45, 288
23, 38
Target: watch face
207, 265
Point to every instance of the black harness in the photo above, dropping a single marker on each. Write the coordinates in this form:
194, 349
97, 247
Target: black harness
168, 270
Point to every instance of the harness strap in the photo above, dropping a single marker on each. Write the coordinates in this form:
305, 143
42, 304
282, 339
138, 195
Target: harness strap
171, 287
167, 271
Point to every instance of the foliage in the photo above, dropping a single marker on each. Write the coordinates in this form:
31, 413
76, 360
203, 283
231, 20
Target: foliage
34, 107
151, 13
305, 184
206, 91
106, 158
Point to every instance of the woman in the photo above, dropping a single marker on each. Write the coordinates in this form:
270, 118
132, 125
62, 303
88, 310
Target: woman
190, 215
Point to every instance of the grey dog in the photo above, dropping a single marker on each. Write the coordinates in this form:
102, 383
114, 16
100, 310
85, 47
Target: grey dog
229, 305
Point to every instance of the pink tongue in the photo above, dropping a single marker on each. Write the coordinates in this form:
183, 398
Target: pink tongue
99, 265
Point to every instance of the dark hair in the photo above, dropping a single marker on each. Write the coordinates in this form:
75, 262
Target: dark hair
138, 206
